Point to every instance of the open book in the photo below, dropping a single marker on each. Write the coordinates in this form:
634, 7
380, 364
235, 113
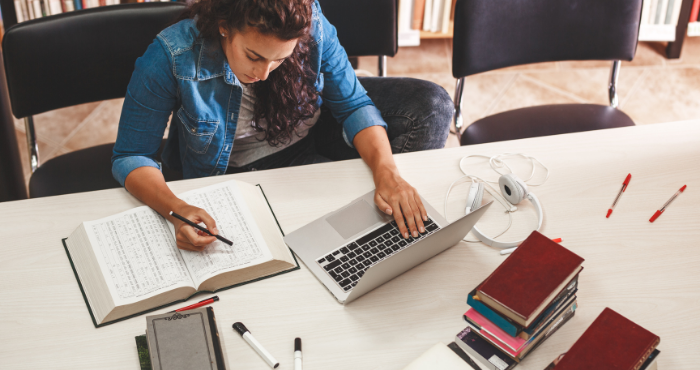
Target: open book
129, 263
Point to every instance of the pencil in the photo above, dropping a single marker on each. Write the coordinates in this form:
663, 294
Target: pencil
200, 228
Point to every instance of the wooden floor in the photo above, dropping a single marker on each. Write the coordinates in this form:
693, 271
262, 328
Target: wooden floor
652, 89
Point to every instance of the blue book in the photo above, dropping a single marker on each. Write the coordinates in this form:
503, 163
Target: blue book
513, 328
78, 4
492, 316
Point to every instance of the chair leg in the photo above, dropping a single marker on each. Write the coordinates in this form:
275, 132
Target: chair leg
459, 123
612, 88
31, 143
382, 66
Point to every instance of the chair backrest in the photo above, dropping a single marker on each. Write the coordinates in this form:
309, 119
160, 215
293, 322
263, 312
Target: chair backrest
365, 27
492, 34
79, 57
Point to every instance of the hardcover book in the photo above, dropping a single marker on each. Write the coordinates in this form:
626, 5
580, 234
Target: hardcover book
489, 356
518, 348
129, 263
513, 328
185, 340
611, 342
527, 282
441, 356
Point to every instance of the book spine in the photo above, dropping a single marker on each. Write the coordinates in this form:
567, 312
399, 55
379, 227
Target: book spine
660, 12
55, 7
418, 13
646, 354
428, 15
670, 10
645, 11
446, 11
652, 11
216, 341
494, 317
30, 8
676, 12
694, 11
36, 6
78, 4
436, 13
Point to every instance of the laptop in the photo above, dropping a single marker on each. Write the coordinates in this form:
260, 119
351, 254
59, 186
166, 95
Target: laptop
358, 248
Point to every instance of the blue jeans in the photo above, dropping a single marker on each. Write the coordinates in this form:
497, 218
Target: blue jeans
418, 114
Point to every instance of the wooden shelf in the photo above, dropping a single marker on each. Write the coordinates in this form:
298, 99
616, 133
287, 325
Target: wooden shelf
439, 35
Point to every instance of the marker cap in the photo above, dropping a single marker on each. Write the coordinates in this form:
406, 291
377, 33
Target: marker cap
240, 328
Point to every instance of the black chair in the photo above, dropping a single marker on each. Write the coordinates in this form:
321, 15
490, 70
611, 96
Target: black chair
365, 27
74, 58
89, 55
492, 34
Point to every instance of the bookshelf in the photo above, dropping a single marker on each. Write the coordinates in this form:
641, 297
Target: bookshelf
674, 34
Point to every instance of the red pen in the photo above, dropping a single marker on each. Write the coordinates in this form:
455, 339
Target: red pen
624, 187
659, 212
198, 304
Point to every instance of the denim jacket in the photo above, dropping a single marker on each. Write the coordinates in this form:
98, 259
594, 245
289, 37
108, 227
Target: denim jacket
191, 78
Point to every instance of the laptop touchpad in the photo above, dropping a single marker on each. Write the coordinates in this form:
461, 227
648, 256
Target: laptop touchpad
357, 217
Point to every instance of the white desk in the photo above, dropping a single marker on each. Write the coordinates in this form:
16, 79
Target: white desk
650, 273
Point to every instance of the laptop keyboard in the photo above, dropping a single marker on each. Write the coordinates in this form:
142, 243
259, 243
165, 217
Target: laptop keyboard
348, 263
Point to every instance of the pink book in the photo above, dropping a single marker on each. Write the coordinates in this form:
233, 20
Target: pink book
512, 345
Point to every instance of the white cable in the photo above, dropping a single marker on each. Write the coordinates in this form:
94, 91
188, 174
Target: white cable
496, 162
473, 179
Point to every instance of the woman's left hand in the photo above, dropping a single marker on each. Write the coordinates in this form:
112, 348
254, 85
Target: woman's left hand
394, 196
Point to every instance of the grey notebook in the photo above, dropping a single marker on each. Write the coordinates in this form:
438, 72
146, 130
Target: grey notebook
185, 340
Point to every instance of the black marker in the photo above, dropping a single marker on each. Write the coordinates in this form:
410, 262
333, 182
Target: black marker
245, 333
297, 354
200, 228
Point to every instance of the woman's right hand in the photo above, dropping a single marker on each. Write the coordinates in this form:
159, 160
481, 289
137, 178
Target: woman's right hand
187, 237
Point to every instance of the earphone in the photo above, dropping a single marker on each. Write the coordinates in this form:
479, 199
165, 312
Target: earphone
513, 190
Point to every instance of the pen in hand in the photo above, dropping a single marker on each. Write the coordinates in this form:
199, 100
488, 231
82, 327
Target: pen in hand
200, 228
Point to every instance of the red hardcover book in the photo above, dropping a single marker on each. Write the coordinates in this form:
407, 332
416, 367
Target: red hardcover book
524, 284
611, 342
694, 11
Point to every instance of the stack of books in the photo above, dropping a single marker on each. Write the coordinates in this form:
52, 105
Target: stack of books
611, 342
524, 301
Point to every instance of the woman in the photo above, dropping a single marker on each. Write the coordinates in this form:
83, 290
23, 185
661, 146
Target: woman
260, 84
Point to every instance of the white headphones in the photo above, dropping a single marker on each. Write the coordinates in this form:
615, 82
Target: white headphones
513, 190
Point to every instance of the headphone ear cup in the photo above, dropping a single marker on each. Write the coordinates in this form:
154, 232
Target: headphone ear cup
512, 188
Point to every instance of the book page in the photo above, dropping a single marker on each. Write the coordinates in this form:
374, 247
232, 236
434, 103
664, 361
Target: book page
235, 222
137, 254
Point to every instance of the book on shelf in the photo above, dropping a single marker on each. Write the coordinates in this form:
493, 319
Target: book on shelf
32, 9
418, 13
428, 15
529, 280
128, 264
694, 11
181, 341
610, 342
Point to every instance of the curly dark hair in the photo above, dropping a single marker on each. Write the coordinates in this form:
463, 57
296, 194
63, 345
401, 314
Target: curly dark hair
288, 96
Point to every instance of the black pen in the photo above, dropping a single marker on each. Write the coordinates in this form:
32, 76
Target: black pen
200, 228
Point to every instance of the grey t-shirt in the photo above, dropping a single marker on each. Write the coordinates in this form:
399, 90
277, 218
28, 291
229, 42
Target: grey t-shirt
247, 147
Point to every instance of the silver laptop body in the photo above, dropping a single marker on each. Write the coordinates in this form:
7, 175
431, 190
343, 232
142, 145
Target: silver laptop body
362, 220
